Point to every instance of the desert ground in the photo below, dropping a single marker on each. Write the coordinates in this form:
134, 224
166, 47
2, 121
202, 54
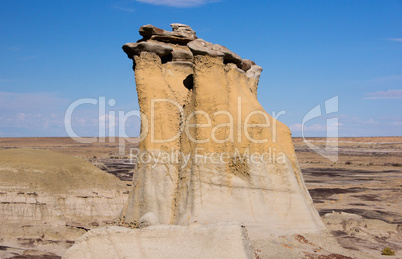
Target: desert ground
364, 182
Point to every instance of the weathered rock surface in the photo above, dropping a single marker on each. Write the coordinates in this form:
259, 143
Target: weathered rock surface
202, 47
48, 199
247, 64
366, 235
183, 28
134, 49
254, 72
182, 55
163, 241
181, 33
235, 162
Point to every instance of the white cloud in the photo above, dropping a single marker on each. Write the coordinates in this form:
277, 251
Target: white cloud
395, 39
178, 3
21, 116
31, 114
390, 94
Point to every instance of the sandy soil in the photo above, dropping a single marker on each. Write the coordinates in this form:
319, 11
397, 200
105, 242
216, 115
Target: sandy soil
366, 180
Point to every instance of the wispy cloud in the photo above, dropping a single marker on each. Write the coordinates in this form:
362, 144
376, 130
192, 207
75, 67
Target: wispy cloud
395, 39
43, 114
178, 3
390, 94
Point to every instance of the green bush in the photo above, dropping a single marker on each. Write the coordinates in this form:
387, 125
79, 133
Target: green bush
387, 251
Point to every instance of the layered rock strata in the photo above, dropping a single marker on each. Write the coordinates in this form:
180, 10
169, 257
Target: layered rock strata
214, 241
209, 152
48, 199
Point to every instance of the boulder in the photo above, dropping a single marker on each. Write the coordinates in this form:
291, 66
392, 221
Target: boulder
184, 29
134, 49
181, 34
149, 219
247, 64
254, 71
202, 47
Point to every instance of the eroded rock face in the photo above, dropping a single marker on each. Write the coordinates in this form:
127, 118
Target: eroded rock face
214, 241
181, 33
48, 199
202, 47
212, 153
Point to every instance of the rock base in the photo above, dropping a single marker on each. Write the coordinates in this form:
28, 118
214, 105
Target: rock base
164, 241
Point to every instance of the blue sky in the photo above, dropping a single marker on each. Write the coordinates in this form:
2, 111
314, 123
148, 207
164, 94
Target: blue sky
56, 52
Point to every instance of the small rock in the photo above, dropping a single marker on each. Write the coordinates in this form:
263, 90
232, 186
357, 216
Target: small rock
254, 72
148, 219
229, 56
202, 47
148, 30
133, 49
181, 34
183, 28
247, 64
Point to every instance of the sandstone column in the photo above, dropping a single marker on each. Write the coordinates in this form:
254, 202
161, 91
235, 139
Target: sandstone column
236, 162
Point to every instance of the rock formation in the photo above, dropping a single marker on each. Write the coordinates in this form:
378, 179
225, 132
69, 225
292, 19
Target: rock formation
213, 241
48, 199
209, 152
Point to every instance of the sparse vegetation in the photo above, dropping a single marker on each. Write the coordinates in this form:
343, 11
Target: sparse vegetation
387, 251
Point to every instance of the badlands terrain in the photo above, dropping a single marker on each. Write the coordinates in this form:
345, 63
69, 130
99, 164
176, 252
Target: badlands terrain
358, 196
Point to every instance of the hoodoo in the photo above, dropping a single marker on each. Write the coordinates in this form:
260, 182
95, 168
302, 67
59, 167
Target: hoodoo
209, 153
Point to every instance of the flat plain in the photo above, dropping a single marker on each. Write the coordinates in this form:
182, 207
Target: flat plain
363, 177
